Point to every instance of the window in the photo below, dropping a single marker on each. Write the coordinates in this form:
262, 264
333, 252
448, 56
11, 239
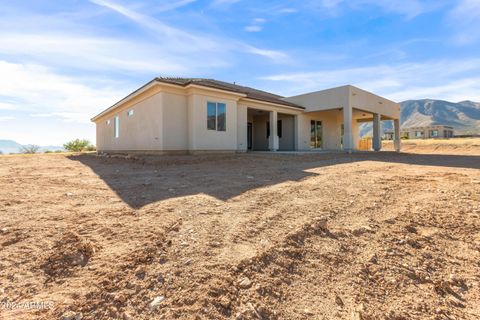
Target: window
116, 128
107, 122
216, 116
130, 112
268, 129
418, 134
434, 133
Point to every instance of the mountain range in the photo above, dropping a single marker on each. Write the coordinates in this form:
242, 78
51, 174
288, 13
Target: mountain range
10, 146
463, 116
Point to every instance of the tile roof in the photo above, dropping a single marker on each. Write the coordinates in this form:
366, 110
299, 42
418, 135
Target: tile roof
249, 92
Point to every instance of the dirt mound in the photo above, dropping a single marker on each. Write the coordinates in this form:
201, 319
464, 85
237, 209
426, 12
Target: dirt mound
242, 238
68, 253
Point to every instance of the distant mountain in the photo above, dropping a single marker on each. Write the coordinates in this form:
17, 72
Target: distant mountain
10, 146
463, 116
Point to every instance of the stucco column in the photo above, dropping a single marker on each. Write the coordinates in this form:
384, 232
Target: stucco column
273, 139
377, 139
396, 142
347, 129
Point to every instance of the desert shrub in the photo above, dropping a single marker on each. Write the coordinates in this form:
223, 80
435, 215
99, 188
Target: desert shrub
79, 145
31, 148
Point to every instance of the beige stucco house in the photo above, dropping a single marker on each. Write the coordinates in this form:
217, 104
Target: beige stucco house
202, 115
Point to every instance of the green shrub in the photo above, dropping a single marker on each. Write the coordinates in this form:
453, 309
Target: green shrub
79, 145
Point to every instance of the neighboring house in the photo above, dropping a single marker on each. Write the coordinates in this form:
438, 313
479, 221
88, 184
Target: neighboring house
202, 115
428, 132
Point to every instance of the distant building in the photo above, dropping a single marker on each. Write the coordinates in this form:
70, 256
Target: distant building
428, 132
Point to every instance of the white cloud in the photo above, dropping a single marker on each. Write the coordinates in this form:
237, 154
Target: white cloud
287, 10
7, 106
256, 25
408, 8
172, 5
448, 80
465, 20
87, 52
220, 3
45, 92
6, 118
188, 41
253, 28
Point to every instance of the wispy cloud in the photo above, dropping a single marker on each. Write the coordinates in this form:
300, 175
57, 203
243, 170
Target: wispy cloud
465, 20
256, 25
172, 5
222, 3
450, 80
6, 118
408, 8
42, 89
186, 40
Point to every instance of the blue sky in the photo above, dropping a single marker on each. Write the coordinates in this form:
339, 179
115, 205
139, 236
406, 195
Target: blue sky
62, 62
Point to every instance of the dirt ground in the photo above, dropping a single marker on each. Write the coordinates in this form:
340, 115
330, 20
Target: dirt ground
248, 236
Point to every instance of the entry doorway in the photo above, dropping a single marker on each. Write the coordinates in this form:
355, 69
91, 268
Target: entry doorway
249, 136
316, 134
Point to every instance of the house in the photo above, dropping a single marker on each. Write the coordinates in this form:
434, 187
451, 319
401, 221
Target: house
169, 115
427, 132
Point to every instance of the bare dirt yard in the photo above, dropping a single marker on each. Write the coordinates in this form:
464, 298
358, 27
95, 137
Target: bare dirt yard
248, 236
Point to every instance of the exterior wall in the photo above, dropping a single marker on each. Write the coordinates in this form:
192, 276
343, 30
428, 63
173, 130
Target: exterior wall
323, 100
174, 125
367, 101
242, 123
286, 142
204, 139
175, 119
141, 131
260, 141
443, 132
331, 129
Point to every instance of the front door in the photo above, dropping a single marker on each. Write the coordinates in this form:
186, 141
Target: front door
315, 134
249, 136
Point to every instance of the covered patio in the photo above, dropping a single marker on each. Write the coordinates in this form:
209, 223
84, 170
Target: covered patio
341, 110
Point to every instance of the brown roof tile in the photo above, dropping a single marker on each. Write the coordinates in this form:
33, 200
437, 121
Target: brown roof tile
249, 92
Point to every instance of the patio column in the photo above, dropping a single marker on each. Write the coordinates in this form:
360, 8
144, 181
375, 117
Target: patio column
347, 129
396, 141
273, 139
377, 139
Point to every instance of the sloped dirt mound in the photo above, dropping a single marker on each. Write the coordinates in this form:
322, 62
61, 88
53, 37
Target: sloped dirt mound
68, 253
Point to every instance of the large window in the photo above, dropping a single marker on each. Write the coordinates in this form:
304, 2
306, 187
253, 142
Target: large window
418, 134
434, 133
216, 116
116, 127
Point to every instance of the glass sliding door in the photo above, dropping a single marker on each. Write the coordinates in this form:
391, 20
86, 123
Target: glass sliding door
315, 134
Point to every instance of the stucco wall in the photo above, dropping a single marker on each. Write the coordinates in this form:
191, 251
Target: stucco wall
286, 141
260, 141
204, 139
331, 129
175, 120
242, 122
141, 131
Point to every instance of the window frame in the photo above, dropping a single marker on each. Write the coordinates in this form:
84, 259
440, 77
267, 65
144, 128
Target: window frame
116, 127
218, 106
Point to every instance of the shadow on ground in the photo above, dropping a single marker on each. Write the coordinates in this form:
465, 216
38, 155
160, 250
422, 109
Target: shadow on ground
139, 181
